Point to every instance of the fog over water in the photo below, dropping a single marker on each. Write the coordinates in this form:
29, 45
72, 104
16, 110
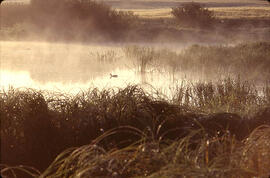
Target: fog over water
75, 67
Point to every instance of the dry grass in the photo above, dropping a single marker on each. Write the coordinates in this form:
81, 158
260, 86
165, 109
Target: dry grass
129, 127
219, 12
151, 13
195, 155
242, 12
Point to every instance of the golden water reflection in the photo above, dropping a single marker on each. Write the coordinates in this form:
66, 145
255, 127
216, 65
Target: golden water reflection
71, 68
22, 79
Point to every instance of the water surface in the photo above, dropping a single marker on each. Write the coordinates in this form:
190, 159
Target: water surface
74, 67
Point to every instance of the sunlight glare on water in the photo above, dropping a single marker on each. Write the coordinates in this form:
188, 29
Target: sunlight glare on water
16, 79
71, 68
22, 79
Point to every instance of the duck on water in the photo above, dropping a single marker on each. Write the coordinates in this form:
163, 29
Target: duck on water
113, 76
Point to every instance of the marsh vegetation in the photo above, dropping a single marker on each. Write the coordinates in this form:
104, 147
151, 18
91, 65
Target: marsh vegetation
203, 129
161, 92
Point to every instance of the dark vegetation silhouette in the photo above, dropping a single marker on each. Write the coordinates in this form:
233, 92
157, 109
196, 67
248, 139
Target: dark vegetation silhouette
70, 19
36, 127
193, 15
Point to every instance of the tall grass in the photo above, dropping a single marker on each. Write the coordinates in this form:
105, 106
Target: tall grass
130, 123
245, 60
142, 58
195, 155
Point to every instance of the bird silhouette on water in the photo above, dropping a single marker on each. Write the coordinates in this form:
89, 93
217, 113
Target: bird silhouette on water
113, 76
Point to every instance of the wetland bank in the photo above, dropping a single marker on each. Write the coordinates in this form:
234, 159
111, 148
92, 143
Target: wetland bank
89, 90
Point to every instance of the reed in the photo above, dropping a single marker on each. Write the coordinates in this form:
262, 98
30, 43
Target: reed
245, 60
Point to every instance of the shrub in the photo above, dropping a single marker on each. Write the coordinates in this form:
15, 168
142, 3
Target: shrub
193, 15
69, 19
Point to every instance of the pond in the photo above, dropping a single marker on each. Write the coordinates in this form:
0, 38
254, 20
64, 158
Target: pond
71, 68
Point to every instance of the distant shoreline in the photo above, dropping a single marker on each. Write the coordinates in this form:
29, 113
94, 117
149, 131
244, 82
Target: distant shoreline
152, 4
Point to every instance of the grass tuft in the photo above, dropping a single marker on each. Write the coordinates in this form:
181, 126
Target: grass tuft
206, 129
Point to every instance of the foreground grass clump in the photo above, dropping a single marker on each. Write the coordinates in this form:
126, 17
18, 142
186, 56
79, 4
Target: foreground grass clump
124, 129
195, 155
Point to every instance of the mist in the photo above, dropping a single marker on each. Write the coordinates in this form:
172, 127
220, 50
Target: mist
135, 88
